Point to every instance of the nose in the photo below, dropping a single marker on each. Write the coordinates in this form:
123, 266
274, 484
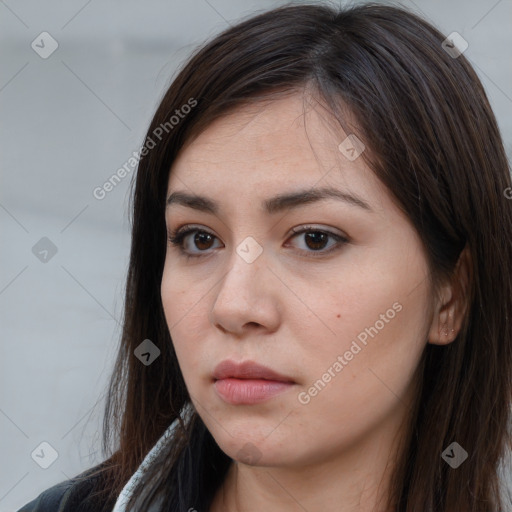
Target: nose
247, 297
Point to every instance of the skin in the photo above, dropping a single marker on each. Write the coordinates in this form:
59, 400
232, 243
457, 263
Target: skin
296, 313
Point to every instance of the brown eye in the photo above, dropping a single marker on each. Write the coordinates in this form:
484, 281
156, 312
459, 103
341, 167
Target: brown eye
203, 240
192, 246
316, 240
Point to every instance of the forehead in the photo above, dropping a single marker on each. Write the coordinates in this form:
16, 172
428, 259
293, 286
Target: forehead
265, 148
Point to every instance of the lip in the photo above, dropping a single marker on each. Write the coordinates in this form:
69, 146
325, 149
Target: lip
247, 370
248, 382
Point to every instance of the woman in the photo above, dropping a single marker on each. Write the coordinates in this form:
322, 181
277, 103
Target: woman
317, 301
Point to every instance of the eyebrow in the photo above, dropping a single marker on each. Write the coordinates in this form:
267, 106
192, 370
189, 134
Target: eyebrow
281, 202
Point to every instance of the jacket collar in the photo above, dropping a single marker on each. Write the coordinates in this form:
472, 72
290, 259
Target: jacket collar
127, 491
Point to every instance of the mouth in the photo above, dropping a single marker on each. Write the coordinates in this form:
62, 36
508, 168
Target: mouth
248, 382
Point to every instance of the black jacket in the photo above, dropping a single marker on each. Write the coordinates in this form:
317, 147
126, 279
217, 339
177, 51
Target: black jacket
71, 496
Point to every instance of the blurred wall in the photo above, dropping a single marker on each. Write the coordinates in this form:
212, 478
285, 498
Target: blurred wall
80, 81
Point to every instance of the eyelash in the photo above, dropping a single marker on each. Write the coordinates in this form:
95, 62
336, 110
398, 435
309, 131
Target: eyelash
176, 238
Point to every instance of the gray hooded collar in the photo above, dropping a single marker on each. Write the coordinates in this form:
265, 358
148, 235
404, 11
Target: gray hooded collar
126, 493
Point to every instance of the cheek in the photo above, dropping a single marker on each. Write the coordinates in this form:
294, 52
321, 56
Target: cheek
180, 296
184, 314
361, 377
368, 335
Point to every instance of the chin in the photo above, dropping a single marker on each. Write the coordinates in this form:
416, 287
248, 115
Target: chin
253, 452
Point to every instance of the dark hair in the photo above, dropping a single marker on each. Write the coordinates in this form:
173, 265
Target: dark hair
433, 141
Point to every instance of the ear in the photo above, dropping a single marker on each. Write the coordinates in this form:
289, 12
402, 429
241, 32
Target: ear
452, 304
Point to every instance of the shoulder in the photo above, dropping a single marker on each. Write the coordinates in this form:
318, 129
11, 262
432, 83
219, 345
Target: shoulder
51, 499
69, 495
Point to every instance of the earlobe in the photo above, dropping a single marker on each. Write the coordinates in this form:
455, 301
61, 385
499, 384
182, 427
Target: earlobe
451, 308
443, 329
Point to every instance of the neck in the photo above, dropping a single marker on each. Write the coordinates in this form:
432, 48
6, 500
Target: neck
355, 481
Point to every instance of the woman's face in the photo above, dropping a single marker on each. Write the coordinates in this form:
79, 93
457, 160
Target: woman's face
344, 321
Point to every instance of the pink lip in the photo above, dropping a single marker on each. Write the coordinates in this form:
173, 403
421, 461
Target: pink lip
248, 382
247, 370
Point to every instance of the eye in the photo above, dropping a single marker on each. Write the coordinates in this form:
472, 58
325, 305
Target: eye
315, 241
202, 240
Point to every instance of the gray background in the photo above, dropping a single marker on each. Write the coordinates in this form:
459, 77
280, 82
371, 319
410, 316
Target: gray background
68, 123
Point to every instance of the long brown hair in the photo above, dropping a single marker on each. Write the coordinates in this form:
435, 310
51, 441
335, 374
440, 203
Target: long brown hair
433, 141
